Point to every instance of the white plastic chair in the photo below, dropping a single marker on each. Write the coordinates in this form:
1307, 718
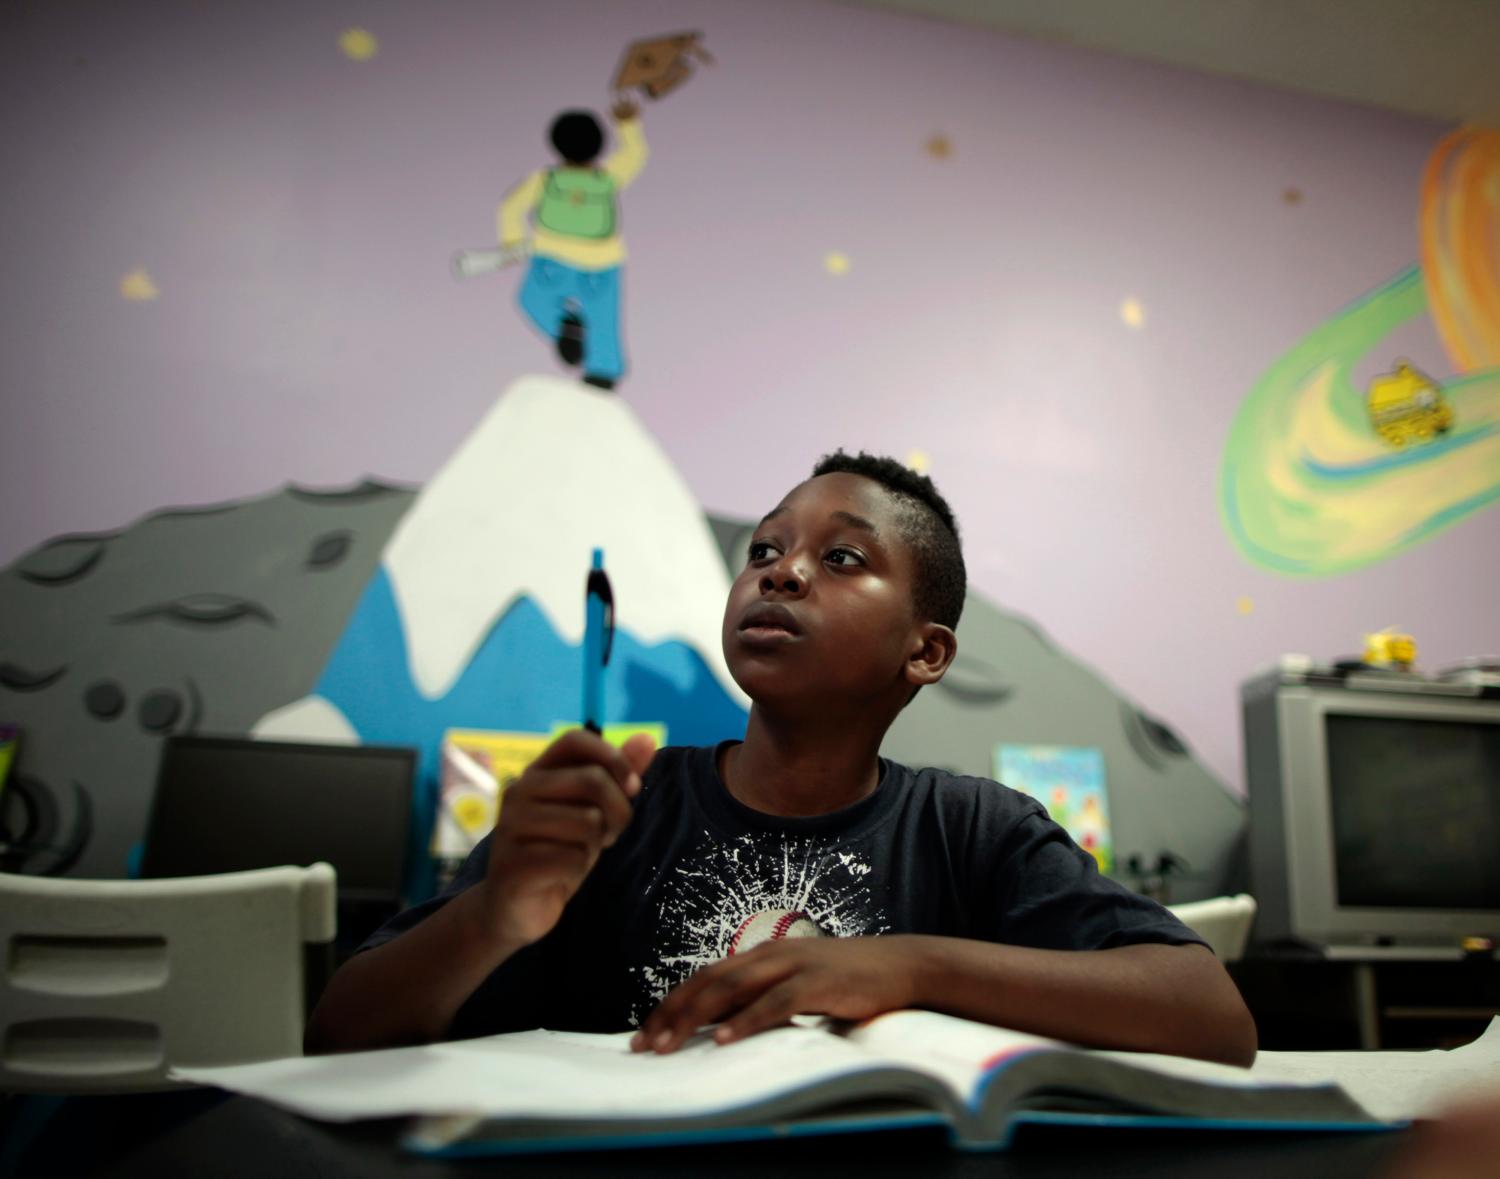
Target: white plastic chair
105, 984
1223, 922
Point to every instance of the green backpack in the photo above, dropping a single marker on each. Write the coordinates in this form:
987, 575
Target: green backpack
578, 203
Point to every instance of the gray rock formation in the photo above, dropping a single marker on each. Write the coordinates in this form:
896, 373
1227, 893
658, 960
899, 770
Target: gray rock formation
198, 620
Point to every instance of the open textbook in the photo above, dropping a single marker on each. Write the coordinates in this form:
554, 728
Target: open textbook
541, 1091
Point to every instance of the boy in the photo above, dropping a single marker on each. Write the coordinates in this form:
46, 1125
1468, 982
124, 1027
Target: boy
572, 287
618, 886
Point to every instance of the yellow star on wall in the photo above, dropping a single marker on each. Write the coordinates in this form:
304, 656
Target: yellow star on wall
1132, 313
939, 147
358, 44
1245, 605
919, 461
138, 287
835, 262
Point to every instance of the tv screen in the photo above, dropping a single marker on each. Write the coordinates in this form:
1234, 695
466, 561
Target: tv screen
229, 804
1416, 812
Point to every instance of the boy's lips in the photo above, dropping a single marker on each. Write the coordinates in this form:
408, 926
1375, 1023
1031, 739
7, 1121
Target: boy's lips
769, 622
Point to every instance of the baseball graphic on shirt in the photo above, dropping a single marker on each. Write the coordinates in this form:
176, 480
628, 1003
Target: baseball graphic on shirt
727, 895
771, 925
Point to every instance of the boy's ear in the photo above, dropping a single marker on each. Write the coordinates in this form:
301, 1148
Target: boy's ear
932, 654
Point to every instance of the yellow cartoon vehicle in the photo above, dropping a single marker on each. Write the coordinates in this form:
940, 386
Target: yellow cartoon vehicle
1406, 405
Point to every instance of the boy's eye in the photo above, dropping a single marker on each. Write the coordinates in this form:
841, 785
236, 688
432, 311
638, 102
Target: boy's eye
760, 550
843, 556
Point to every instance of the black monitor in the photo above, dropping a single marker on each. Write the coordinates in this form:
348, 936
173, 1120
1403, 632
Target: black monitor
1416, 812
227, 804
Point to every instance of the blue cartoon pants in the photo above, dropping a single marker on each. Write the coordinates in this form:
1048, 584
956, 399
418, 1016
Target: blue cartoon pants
554, 288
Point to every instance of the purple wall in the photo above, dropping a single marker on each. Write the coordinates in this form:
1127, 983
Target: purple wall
297, 211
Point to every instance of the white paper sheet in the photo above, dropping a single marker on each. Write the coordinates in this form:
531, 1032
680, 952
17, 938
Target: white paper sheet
543, 1074
1397, 1085
1393, 1086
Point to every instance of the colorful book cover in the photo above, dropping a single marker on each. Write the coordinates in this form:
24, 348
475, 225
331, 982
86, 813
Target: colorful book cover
1069, 781
476, 767
9, 735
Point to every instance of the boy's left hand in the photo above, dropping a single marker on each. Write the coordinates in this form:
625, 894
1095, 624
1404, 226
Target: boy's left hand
847, 978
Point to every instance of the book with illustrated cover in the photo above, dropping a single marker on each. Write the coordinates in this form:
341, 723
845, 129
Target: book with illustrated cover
478, 764
1069, 781
475, 767
538, 1091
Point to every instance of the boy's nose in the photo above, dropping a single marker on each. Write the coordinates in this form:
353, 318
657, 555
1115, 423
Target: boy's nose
784, 576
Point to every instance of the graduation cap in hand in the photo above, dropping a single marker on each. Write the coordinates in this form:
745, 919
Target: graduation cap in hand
658, 65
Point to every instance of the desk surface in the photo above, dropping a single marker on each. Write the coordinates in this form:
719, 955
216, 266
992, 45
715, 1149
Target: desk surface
208, 1133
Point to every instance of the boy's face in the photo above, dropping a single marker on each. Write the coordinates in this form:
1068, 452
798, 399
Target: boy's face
823, 607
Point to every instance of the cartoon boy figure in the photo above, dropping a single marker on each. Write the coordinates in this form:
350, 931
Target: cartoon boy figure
572, 288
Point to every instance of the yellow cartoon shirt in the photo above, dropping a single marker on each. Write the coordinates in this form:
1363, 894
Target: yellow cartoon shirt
623, 165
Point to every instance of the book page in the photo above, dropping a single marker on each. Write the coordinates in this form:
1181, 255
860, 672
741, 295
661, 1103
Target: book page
1191, 1069
1392, 1086
543, 1074
960, 1052
966, 1054
1397, 1086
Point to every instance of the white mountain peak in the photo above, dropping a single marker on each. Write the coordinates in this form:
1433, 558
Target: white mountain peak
554, 470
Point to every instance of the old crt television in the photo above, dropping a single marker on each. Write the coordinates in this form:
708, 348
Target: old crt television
1374, 812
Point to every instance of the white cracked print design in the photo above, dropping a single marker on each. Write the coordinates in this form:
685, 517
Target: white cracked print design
708, 894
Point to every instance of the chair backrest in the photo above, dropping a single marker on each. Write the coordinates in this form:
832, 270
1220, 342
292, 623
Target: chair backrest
105, 984
1223, 922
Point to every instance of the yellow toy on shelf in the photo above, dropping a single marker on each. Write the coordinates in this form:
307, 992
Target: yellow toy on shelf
1390, 649
1405, 405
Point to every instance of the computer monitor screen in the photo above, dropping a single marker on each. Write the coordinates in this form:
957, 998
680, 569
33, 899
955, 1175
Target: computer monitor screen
1416, 812
230, 804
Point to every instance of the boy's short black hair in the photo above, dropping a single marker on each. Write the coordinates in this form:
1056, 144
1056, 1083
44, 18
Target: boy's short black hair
577, 136
928, 527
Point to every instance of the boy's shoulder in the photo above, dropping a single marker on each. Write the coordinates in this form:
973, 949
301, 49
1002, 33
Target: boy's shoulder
950, 787
678, 768
676, 759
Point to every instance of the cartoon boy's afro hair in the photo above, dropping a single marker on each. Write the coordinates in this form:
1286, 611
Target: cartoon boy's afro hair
577, 136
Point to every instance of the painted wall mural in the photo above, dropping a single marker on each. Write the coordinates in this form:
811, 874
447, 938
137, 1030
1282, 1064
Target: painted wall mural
474, 619
389, 615
564, 221
1461, 245
1323, 474
196, 620
1047, 278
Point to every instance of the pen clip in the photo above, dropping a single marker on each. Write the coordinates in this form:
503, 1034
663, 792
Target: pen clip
599, 585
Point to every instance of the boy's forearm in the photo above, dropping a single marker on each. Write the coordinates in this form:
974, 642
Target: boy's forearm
408, 990
627, 160
1144, 998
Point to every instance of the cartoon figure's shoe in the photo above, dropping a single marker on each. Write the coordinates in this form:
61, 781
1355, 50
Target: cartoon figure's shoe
570, 340
598, 382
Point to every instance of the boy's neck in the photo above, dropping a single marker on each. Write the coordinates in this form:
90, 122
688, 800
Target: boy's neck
802, 768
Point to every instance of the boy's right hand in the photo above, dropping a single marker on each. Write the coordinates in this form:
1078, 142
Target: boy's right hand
568, 806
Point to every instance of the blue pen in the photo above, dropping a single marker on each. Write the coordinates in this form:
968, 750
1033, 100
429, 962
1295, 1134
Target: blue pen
598, 639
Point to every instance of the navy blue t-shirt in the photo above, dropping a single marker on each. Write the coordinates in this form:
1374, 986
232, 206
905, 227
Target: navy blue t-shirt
927, 852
